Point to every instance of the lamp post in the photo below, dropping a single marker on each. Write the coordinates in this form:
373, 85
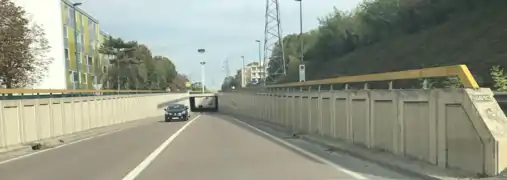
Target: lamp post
259, 44
202, 69
74, 23
260, 65
301, 29
243, 79
302, 68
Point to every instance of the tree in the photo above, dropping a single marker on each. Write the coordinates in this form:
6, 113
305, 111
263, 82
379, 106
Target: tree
228, 83
23, 48
179, 83
197, 86
165, 71
134, 67
499, 77
120, 66
387, 35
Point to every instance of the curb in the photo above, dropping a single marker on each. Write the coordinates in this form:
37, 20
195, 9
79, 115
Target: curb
396, 168
396, 163
23, 147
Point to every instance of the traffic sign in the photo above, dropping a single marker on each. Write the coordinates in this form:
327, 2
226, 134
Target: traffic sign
255, 81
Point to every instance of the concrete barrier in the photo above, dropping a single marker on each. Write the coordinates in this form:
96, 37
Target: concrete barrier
26, 121
461, 129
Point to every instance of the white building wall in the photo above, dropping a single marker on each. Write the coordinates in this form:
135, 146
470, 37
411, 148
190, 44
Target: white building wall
48, 14
255, 72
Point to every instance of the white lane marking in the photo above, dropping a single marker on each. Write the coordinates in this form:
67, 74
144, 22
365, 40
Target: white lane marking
146, 162
305, 152
63, 145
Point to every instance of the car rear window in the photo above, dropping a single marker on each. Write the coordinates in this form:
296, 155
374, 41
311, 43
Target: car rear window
176, 106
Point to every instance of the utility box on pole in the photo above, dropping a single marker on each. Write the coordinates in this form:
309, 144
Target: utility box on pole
302, 73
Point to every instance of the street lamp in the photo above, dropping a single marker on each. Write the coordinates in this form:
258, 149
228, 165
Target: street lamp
261, 66
301, 28
202, 69
259, 44
243, 79
302, 69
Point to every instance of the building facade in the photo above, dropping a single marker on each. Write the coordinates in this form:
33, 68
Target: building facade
81, 33
74, 38
254, 72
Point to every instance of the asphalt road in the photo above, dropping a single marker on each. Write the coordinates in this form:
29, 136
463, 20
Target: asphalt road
207, 147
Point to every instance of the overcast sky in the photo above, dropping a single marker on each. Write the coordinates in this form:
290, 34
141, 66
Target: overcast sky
227, 29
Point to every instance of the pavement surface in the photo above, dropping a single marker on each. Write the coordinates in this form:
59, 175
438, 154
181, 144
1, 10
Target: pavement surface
207, 147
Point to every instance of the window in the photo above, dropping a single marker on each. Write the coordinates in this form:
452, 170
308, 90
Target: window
90, 60
85, 78
92, 47
74, 79
82, 22
91, 30
80, 76
65, 32
94, 78
67, 55
73, 76
79, 38
79, 19
86, 68
70, 16
78, 58
86, 59
176, 107
79, 42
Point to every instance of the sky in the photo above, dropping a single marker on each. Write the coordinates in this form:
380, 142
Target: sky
227, 29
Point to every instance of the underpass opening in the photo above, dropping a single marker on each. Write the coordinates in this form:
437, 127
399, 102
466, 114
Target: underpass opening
204, 103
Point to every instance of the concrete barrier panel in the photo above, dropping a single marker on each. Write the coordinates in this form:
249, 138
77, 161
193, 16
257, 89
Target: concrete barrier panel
43, 112
56, 117
26, 121
461, 129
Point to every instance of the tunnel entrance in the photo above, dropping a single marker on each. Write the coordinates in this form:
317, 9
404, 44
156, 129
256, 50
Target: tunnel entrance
204, 103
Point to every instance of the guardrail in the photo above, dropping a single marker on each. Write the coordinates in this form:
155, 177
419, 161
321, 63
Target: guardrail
460, 71
11, 94
200, 92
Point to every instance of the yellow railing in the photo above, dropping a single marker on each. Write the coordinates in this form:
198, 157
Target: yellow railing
58, 91
461, 71
200, 92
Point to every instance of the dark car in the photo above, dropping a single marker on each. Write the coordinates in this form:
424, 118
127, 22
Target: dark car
176, 111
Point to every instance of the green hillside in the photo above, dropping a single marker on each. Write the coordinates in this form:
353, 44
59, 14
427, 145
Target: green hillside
447, 33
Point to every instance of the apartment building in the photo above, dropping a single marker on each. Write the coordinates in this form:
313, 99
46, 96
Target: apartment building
81, 42
254, 72
74, 37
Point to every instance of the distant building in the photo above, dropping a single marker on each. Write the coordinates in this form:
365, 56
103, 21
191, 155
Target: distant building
74, 50
254, 72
